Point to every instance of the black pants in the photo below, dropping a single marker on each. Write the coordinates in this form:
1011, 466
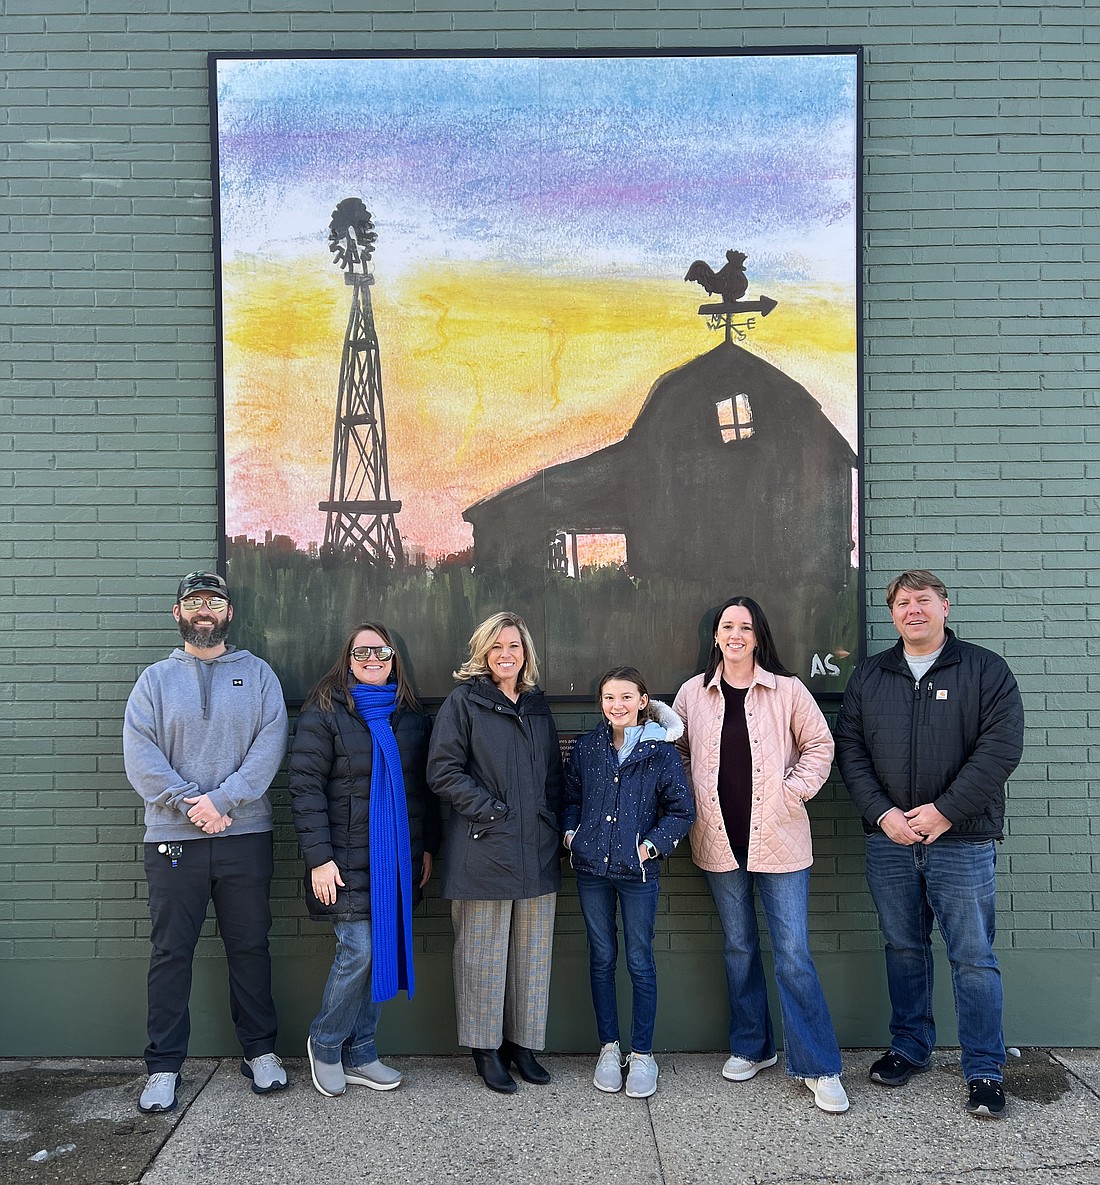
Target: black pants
235, 873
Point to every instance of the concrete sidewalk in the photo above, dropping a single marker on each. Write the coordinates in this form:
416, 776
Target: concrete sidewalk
442, 1125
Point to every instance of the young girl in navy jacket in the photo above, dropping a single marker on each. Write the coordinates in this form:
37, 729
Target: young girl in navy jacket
627, 804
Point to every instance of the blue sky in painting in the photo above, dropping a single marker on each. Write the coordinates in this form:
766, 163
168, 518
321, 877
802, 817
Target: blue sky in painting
631, 165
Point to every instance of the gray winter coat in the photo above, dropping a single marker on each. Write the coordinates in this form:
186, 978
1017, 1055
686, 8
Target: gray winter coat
498, 765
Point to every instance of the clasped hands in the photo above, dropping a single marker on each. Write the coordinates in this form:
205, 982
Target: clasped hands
923, 824
206, 816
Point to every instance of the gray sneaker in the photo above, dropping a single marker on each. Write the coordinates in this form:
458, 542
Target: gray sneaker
160, 1092
266, 1072
641, 1081
609, 1069
328, 1077
376, 1075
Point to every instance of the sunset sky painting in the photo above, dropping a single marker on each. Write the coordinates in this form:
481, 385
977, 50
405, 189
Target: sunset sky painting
536, 217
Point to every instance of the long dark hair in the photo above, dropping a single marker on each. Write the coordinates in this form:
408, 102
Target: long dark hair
766, 656
335, 679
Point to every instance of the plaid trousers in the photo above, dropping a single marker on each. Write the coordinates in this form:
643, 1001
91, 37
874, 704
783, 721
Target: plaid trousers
502, 970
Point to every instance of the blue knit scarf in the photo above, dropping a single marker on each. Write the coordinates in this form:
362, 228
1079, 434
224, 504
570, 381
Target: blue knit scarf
390, 859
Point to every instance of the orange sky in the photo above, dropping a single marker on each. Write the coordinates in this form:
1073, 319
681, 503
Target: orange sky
488, 374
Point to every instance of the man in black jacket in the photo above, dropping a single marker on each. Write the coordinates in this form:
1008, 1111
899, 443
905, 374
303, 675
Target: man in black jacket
926, 737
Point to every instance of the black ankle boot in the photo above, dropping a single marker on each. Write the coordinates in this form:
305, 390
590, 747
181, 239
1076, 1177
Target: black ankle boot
524, 1061
494, 1071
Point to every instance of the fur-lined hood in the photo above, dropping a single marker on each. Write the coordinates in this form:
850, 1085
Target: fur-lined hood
662, 723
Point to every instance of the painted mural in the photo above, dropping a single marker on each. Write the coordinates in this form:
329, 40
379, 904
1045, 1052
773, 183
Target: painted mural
573, 336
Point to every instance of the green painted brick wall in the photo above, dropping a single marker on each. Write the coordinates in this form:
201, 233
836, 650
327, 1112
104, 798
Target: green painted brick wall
982, 450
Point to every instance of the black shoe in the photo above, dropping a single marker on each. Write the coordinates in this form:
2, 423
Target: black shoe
987, 1098
524, 1061
493, 1071
894, 1070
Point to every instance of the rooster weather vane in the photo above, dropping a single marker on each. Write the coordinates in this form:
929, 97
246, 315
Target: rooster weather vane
729, 283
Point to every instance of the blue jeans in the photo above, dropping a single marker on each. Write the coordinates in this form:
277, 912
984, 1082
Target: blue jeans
953, 881
809, 1044
638, 905
344, 1028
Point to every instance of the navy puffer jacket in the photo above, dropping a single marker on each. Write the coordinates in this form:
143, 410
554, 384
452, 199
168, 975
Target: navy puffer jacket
613, 808
329, 777
952, 741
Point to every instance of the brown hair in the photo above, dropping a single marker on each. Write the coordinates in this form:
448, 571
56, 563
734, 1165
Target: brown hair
336, 677
627, 675
914, 580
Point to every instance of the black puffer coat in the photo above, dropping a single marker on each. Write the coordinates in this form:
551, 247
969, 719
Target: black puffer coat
498, 764
951, 741
329, 777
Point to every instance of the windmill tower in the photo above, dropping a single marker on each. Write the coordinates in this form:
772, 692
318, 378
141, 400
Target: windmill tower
360, 510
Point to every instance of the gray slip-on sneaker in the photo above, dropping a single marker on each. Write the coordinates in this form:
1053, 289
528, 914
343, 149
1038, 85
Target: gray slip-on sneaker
377, 1075
328, 1077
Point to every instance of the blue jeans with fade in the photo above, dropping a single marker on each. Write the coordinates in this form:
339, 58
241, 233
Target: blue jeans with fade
344, 1028
951, 881
810, 1048
637, 901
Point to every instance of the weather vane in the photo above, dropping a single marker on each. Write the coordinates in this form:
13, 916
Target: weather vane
729, 283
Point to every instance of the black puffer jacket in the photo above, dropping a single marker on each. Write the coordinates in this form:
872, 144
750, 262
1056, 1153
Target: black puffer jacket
498, 764
952, 741
329, 777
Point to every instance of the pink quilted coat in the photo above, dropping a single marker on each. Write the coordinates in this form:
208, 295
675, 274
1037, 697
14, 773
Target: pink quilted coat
792, 752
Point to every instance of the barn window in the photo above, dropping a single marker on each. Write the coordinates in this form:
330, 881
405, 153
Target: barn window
734, 418
574, 553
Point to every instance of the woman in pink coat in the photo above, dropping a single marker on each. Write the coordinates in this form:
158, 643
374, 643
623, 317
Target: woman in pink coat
758, 749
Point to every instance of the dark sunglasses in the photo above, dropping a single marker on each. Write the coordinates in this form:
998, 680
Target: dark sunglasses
382, 653
214, 604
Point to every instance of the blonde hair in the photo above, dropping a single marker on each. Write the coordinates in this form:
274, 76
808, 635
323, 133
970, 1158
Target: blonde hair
481, 642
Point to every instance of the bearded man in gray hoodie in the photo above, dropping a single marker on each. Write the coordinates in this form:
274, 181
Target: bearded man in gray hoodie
204, 736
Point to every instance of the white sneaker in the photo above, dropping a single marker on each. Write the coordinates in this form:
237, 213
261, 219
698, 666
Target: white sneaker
740, 1069
828, 1093
609, 1069
377, 1075
641, 1082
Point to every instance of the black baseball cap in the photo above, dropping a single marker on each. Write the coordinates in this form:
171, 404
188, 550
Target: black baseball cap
195, 582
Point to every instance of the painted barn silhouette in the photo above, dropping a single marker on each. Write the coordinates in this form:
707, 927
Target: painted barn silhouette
731, 475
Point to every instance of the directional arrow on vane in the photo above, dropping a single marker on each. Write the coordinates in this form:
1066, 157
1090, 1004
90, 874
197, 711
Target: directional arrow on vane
763, 306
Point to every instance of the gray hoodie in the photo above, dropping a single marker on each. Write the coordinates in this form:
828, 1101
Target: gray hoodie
205, 726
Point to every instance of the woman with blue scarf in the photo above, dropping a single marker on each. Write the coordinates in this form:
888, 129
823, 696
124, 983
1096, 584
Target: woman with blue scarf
367, 827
